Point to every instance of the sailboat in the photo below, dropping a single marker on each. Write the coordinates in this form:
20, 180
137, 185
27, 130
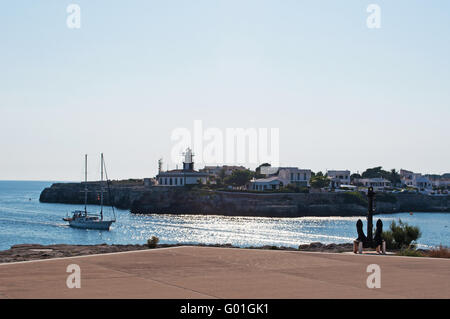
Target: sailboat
85, 220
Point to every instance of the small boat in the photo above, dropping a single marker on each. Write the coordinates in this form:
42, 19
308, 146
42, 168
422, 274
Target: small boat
85, 220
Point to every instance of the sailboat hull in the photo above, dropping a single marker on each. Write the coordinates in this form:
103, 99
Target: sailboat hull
91, 224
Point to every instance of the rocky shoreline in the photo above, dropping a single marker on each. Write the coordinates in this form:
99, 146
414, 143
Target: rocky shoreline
141, 199
27, 252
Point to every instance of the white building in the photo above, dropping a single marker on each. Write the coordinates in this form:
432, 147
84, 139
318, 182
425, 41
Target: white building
338, 178
181, 177
377, 183
282, 176
438, 183
407, 177
269, 183
422, 183
295, 176
415, 180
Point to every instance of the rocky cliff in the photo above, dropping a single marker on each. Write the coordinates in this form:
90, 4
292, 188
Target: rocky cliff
141, 199
122, 195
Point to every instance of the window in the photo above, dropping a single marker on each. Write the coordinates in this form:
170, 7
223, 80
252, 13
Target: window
160, 181
165, 181
170, 181
298, 176
181, 181
292, 176
304, 176
176, 181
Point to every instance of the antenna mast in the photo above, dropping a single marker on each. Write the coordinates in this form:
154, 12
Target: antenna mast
109, 191
85, 184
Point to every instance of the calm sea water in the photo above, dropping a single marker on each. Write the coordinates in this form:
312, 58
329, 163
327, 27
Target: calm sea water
24, 220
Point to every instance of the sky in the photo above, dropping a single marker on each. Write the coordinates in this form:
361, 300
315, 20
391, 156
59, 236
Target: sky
343, 96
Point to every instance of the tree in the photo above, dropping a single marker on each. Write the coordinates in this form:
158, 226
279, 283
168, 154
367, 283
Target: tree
319, 173
319, 181
375, 172
394, 177
353, 179
239, 177
222, 175
401, 235
295, 189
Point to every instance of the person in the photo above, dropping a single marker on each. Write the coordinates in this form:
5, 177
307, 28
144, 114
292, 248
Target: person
361, 237
378, 239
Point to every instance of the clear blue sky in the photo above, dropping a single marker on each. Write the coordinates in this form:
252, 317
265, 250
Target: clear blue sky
138, 69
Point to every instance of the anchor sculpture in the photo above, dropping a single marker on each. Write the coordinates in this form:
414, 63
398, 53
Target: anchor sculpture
369, 241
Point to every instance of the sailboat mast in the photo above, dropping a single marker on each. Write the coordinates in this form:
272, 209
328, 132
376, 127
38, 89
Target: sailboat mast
101, 187
85, 184
109, 190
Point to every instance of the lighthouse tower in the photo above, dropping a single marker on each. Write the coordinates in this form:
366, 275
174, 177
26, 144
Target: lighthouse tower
188, 163
186, 176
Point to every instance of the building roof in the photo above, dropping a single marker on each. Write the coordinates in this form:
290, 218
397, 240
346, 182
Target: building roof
267, 180
375, 179
422, 179
342, 171
181, 172
295, 168
276, 170
224, 167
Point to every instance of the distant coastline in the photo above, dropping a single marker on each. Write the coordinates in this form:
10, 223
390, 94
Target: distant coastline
141, 199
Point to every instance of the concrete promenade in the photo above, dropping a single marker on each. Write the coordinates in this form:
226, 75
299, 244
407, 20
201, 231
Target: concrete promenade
205, 272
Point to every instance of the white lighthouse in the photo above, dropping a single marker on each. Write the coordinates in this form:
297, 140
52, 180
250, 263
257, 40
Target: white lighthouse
185, 176
188, 164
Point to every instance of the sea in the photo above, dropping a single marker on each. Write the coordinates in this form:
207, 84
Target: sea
24, 220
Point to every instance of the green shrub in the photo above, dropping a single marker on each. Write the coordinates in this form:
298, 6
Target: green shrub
386, 197
303, 189
153, 242
389, 239
354, 198
439, 252
401, 235
319, 181
291, 188
411, 252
